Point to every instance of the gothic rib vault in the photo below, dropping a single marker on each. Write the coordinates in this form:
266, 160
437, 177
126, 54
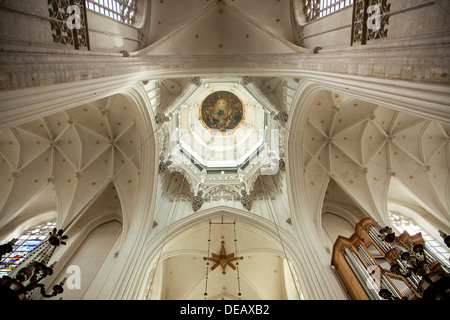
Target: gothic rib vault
364, 146
108, 150
64, 161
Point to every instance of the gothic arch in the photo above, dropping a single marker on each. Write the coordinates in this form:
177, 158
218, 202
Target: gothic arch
306, 203
309, 152
169, 238
133, 208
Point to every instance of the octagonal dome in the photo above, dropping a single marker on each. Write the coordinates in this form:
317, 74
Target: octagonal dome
221, 125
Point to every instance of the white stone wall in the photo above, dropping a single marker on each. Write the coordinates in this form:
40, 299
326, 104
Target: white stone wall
409, 22
25, 26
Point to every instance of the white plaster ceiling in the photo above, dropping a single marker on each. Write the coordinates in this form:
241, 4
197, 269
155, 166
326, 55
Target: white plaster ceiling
220, 27
261, 271
364, 146
65, 160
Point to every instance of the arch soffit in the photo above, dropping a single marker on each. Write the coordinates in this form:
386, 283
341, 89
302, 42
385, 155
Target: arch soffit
194, 223
28, 223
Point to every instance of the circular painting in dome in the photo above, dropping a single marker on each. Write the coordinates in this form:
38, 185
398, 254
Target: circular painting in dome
222, 112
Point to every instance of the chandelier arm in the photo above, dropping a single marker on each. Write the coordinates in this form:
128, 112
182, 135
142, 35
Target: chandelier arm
231, 265
207, 261
237, 263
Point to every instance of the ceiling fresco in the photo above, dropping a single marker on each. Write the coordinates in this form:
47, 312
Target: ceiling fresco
222, 112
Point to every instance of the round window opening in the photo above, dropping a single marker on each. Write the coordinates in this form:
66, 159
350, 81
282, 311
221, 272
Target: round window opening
222, 112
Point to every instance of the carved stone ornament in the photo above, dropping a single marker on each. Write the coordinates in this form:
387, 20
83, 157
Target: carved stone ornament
246, 201
160, 118
197, 203
16, 174
221, 192
282, 116
163, 166
281, 165
196, 81
246, 80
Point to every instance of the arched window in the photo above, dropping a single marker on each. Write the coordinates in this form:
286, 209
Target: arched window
402, 223
23, 245
315, 9
120, 10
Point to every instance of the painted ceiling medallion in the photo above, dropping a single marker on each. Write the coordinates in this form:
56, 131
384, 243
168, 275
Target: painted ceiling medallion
222, 112
223, 259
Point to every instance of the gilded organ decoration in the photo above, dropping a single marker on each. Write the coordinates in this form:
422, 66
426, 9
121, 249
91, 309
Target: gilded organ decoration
222, 112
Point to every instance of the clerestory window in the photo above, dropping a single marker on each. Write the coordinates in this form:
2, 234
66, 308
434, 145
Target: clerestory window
120, 10
402, 223
316, 9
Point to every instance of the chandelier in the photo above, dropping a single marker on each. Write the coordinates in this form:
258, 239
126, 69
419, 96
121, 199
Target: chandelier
35, 268
223, 259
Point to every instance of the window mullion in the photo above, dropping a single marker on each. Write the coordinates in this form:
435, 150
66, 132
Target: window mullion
120, 10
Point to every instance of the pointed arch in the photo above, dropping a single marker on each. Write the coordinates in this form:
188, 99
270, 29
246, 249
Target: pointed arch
170, 242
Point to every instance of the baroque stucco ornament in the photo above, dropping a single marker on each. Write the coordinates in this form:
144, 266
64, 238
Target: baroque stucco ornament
246, 201
160, 118
282, 116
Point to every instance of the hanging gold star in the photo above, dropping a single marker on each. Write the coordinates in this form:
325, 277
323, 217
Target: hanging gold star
223, 259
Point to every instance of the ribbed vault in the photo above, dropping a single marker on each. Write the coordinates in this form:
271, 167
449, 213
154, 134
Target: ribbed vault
66, 160
362, 146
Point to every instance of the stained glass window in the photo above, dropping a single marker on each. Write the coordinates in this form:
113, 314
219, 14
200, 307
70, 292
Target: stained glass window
24, 244
120, 10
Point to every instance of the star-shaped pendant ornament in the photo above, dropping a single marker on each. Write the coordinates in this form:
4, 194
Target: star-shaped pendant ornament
223, 259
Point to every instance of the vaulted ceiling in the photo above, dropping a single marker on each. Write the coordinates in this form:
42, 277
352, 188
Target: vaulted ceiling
355, 153
376, 155
89, 155
167, 15
220, 27
68, 160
